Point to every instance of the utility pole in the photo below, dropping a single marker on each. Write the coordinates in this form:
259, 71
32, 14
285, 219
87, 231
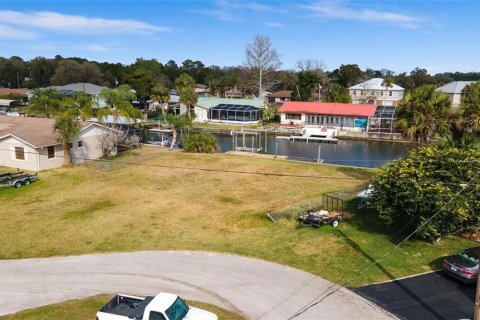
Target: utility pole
476, 313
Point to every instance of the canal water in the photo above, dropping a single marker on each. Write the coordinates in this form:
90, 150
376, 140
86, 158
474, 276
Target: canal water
358, 153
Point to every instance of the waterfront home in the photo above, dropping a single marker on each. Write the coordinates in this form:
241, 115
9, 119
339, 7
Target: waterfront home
342, 115
454, 91
375, 92
279, 96
244, 111
31, 143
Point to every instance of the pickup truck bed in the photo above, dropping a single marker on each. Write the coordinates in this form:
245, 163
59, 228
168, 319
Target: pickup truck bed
127, 306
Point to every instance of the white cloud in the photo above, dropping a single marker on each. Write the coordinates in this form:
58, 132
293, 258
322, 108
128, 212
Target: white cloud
58, 22
226, 10
8, 32
274, 24
339, 9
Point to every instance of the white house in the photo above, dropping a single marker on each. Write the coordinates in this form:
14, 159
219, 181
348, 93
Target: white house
375, 92
32, 144
454, 91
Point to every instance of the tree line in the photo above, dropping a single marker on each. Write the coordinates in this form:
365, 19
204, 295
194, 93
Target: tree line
305, 80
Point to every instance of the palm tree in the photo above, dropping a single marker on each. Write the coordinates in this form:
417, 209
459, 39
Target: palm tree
84, 104
45, 101
424, 112
120, 102
185, 86
161, 96
178, 123
468, 120
188, 97
387, 83
66, 128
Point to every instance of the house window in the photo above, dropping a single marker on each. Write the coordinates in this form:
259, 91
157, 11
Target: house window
51, 152
354, 92
70, 145
293, 116
19, 153
372, 93
361, 93
390, 93
80, 143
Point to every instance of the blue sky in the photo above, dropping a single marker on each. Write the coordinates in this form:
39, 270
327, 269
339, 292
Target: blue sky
397, 35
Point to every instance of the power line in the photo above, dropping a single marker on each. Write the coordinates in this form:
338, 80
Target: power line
313, 303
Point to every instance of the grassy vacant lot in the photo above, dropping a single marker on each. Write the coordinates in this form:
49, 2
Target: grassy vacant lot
86, 309
145, 204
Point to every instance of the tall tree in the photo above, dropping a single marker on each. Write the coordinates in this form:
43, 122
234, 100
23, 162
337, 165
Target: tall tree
66, 128
307, 83
424, 112
178, 123
261, 57
188, 97
119, 101
185, 86
142, 82
347, 74
336, 93
161, 96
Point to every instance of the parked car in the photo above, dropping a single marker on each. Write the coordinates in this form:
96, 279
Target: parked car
463, 265
164, 306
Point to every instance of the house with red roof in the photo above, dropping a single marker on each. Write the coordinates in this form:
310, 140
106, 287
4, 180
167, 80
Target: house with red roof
342, 115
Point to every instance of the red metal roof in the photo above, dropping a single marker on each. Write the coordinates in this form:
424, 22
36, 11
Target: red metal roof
331, 108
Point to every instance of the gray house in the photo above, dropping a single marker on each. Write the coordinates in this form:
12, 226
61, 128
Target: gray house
454, 91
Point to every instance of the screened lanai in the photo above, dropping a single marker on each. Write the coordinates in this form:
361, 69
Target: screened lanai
382, 120
235, 113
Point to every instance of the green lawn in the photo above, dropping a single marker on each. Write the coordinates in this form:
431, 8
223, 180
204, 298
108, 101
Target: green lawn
147, 205
87, 308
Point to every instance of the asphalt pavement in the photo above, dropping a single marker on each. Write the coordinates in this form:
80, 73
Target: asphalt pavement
254, 288
429, 296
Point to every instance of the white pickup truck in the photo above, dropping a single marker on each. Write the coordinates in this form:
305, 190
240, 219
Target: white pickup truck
164, 306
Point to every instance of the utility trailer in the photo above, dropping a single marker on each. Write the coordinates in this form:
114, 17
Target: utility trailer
317, 218
16, 179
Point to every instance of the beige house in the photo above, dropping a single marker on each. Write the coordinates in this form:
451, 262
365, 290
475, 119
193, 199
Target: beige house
375, 92
32, 144
454, 91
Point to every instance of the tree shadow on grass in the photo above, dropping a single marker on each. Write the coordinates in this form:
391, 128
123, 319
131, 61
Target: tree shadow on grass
382, 269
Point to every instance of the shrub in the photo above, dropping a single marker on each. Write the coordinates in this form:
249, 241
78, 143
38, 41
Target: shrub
200, 143
430, 181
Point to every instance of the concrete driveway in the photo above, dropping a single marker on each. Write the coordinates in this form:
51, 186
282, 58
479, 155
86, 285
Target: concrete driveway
254, 288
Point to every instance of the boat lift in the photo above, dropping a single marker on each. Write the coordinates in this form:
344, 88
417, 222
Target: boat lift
248, 140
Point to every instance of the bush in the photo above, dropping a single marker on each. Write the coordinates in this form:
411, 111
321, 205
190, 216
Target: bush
430, 181
200, 143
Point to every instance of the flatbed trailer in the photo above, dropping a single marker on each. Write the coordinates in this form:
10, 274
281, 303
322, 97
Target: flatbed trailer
17, 179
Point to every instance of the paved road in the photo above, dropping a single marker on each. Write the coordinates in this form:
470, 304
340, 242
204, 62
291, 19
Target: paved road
430, 296
255, 288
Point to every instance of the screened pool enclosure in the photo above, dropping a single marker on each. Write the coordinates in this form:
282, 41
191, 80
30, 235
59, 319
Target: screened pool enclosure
235, 113
382, 120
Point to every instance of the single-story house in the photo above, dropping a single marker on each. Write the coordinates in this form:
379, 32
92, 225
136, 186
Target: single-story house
344, 115
90, 89
229, 110
454, 91
279, 96
31, 143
